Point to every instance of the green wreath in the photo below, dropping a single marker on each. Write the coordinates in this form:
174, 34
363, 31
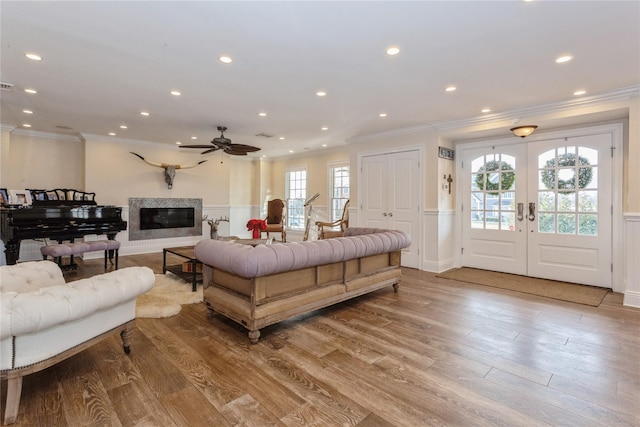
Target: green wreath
482, 179
585, 175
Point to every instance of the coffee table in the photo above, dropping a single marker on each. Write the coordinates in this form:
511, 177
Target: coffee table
188, 253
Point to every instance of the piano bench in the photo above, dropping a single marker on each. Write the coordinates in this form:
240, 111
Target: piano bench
60, 250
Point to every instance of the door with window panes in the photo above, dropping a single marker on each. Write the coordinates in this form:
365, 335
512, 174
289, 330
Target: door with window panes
541, 209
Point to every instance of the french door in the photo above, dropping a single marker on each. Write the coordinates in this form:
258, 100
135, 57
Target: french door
542, 209
390, 197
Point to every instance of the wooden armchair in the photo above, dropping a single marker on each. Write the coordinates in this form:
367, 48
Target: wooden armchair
327, 230
276, 214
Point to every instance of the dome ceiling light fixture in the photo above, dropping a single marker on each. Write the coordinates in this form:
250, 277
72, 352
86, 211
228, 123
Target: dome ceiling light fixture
523, 131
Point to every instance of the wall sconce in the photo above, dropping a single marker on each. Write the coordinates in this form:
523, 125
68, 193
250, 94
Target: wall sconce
523, 131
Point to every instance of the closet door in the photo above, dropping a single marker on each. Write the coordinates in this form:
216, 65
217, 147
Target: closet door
390, 197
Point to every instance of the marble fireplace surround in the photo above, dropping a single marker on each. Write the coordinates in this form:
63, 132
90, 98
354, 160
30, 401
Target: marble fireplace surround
135, 233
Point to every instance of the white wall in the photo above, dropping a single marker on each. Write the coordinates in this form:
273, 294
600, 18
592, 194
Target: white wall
41, 161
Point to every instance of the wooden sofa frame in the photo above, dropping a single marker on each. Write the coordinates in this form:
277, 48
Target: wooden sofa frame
261, 301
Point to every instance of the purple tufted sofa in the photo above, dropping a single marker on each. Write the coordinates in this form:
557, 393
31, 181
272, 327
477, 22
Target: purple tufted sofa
262, 285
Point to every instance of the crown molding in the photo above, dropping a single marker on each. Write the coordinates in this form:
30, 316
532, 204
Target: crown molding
7, 128
617, 95
46, 135
117, 140
152, 145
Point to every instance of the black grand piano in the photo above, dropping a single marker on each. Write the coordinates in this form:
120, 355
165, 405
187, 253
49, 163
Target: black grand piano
58, 220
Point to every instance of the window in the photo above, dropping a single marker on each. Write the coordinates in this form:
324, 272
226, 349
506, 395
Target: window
339, 190
493, 183
296, 191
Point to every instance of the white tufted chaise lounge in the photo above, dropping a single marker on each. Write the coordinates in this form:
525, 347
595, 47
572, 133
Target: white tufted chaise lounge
44, 320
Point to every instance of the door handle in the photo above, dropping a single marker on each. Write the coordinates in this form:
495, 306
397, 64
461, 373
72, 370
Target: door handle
390, 213
520, 211
384, 214
532, 211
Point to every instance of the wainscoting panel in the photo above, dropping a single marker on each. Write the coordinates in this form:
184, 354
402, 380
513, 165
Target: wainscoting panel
631, 278
438, 240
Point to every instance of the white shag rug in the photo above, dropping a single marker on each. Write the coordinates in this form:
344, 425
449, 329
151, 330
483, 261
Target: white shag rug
167, 296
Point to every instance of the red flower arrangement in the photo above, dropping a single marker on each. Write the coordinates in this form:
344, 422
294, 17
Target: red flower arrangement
257, 225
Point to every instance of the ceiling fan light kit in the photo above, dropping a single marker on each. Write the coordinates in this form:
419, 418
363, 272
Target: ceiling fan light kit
223, 143
523, 131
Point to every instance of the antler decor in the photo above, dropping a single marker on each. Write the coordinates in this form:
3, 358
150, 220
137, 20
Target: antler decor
169, 170
214, 225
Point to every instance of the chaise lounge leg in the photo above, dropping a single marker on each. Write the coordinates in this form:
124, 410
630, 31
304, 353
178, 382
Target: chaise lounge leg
395, 287
126, 339
14, 390
254, 336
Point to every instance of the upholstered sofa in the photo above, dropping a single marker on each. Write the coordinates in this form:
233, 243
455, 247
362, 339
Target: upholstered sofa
44, 320
262, 285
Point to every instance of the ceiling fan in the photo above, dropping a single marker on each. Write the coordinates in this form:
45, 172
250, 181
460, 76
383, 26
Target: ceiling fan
224, 144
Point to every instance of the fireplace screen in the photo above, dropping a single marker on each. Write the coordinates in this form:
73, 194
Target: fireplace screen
155, 218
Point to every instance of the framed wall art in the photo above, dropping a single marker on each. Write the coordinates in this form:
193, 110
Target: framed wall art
446, 153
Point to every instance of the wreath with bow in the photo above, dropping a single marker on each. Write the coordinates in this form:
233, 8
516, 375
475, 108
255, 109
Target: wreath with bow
585, 175
508, 177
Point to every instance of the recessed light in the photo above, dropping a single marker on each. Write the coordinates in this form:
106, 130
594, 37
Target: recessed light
579, 92
194, 137
26, 125
144, 113
225, 59
450, 88
382, 115
123, 126
27, 111
33, 56
31, 91
565, 58
175, 93
393, 51
262, 114
321, 93
264, 155
485, 110
324, 145
112, 134
281, 138
325, 128
178, 143
291, 151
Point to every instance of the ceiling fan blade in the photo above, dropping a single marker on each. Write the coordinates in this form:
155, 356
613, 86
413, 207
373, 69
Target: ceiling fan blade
235, 153
243, 147
210, 150
195, 146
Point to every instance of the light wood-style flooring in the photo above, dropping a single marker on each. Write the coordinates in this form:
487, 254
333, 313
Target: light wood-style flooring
437, 353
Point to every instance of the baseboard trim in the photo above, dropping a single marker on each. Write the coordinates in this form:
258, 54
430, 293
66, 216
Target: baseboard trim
631, 299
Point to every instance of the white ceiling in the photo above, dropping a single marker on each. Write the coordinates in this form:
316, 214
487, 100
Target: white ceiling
104, 62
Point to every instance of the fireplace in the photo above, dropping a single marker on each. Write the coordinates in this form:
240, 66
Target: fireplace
161, 218
154, 218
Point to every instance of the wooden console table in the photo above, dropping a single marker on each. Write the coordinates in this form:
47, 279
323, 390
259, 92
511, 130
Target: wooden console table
188, 253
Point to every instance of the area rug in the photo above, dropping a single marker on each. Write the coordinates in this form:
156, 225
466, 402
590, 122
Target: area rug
580, 294
166, 297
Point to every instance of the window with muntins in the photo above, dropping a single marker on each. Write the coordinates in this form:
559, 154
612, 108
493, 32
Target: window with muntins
296, 191
339, 190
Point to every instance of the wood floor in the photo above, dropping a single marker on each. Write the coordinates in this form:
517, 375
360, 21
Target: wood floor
437, 353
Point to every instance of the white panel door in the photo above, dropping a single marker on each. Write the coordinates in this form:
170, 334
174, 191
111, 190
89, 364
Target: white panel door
541, 209
570, 224
391, 197
494, 190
